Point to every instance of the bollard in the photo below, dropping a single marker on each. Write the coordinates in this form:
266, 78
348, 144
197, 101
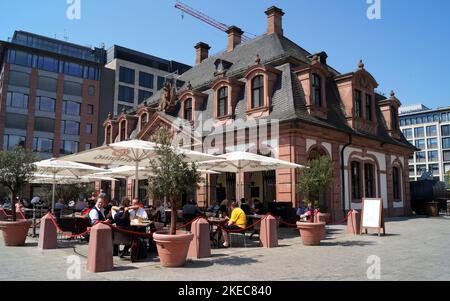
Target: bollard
200, 246
100, 250
47, 234
269, 232
354, 223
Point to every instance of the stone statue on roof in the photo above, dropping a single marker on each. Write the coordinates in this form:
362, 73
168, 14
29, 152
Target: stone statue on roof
168, 97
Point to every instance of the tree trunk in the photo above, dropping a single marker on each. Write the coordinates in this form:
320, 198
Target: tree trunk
173, 218
13, 206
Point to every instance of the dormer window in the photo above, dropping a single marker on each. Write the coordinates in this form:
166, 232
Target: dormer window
187, 114
222, 102
369, 107
144, 120
257, 91
123, 135
317, 90
358, 104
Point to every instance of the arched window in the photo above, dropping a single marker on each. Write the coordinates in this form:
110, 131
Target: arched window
396, 183
187, 114
356, 180
123, 135
317, 90
257, 91
369, 180
144, 120
222, 103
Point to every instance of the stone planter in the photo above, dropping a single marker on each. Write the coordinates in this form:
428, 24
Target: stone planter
432, 209
173, 249
311, 233
15, 233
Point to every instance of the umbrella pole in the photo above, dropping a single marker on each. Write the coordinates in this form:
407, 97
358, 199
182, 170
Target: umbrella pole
136, 181
53, 193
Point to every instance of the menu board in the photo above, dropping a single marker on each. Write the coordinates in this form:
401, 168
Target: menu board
372, 215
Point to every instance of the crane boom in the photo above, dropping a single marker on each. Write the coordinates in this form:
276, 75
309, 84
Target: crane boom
208, 20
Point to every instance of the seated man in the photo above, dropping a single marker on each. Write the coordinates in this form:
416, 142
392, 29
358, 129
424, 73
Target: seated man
122, 220
259, 208
97, 213
60, 205
190, 211
137, 210
238, 221
214, 208
245, 207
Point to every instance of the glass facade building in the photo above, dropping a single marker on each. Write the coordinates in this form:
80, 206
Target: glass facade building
429, 131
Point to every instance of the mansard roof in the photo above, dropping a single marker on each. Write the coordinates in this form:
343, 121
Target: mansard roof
288, 100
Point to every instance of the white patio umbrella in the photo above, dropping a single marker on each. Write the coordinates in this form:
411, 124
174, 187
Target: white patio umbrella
241, 162
129, 172
125, 172
48, 179
56, 167
134, 153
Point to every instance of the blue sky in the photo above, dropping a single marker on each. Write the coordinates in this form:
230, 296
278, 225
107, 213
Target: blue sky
407, 50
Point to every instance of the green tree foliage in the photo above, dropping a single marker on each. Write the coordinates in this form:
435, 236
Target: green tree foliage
171, 175
316, 179
16, 169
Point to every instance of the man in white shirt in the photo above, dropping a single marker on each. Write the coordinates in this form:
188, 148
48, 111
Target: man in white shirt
137, 211
97, 213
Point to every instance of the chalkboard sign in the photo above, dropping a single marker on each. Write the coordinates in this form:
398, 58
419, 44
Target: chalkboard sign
373, 215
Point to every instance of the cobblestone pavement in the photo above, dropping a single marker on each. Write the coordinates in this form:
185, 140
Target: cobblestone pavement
414, 249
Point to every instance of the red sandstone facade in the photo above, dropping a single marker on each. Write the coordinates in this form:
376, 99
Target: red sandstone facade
317, 109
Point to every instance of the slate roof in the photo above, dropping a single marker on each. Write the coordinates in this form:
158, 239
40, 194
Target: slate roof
288, 101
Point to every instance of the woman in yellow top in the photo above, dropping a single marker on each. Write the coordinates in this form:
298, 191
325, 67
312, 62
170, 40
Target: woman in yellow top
237, 221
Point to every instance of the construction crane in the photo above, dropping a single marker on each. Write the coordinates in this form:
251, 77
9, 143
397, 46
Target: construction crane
208, 20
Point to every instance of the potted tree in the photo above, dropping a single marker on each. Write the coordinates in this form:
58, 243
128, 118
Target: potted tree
16, 169
314, 181
171, 178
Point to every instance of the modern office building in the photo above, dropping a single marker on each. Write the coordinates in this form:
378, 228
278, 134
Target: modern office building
429, 131
50, 95
137, 76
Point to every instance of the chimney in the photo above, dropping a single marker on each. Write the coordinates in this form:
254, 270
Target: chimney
274, 20
234, 37
202, 52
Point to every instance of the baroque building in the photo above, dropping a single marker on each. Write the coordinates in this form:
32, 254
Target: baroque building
292, 105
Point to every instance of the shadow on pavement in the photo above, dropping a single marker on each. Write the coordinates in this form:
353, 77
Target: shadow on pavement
234, 261
346, 243
123, 268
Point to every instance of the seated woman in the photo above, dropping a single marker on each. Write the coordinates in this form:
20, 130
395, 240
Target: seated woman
224, 209
237, 221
